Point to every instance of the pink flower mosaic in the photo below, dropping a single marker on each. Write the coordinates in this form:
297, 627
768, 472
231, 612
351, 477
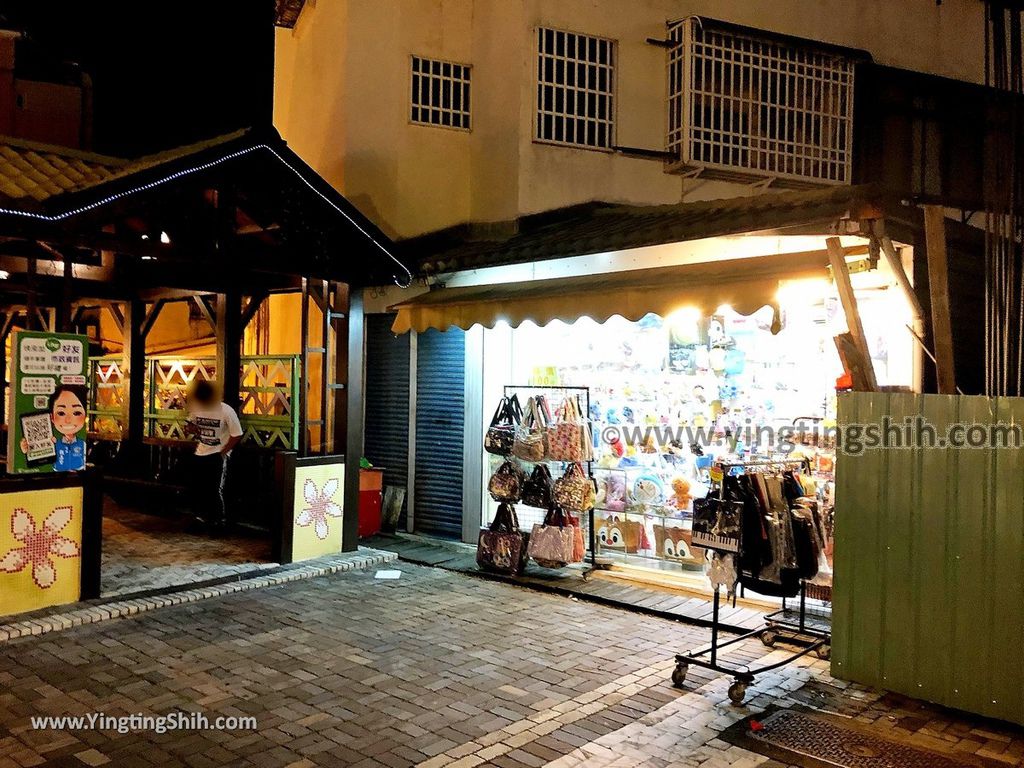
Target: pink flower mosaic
320, 507
39, 546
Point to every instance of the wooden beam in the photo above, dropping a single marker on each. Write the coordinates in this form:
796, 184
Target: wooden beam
207, 310
151, 316
252, 307
841, 275
938, 289
116, 314
229, 345
896, 265
133, 366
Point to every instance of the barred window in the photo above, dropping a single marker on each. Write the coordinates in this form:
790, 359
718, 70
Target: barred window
440, 93
575, 89
743, 105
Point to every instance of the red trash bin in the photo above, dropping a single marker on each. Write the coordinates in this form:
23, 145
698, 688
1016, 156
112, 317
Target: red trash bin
371, 487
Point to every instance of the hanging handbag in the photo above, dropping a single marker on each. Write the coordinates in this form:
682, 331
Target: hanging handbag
574, 491
551, 543
565, 437
537, 488
531, 442
579, 548
506, 484
502, 547
501, 434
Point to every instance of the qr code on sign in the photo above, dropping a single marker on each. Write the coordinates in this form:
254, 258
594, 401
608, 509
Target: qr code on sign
37, 433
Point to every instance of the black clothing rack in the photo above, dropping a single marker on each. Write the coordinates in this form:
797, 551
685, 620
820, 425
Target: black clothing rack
777, 627
585, 411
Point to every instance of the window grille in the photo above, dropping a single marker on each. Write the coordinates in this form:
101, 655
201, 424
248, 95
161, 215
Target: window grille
575, 89
742, 106
440, 93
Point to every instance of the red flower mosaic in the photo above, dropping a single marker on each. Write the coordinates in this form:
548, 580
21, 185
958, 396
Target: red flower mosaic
40, 546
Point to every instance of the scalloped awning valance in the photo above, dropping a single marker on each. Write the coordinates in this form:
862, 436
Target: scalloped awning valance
744, 284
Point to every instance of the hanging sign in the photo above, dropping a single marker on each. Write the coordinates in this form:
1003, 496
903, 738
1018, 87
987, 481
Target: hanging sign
48, 401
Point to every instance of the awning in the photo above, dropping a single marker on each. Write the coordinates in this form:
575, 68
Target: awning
746, 285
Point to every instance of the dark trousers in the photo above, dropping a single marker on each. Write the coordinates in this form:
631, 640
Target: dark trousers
206, 485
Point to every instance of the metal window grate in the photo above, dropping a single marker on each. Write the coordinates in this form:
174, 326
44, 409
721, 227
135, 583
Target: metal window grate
575, 89
743, 105
440, 93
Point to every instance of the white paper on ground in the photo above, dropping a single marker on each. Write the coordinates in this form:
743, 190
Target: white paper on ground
388, 575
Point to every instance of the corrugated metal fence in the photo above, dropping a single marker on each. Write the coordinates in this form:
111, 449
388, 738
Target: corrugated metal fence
930, 557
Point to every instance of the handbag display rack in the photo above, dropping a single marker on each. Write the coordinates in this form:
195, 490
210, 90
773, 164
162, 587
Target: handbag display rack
582, 395
810, 637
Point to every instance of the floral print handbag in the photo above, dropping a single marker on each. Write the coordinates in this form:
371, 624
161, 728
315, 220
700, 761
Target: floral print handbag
574, 491
502, 547
565, 436
506, 484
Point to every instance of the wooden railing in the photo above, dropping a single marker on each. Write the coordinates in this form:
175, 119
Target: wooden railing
267, 386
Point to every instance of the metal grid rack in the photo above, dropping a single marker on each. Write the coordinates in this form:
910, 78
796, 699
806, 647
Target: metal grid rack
811, 635
584, 407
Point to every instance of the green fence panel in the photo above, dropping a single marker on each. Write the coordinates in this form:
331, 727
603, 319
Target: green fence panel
930, 557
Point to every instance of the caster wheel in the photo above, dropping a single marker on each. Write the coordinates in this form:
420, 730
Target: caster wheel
679, 674
769, 636
737, 692
824, 652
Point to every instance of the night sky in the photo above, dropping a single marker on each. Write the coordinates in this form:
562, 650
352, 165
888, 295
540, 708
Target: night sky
165, 72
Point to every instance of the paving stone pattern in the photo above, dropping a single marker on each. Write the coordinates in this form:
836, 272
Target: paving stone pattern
434, 669
142, 552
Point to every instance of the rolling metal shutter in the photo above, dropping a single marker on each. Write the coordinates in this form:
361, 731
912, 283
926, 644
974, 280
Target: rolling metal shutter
440, 415
387, 401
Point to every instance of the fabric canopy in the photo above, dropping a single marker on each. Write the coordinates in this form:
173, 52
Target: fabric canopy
744, 284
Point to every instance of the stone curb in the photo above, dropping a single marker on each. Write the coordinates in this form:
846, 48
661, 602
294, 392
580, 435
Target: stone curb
120, 607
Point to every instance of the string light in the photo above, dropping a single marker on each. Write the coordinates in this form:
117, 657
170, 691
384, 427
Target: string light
57, 217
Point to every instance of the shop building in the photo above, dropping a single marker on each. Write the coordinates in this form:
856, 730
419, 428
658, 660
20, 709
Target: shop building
532, 142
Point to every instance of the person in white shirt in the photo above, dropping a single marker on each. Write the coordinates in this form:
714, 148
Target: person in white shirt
215, 426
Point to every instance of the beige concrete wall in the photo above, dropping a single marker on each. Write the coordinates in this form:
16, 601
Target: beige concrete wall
342, 95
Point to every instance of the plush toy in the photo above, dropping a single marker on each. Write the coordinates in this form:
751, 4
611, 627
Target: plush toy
611, 492
681, 497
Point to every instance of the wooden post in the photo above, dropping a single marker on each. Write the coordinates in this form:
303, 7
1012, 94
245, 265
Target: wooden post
134, 370
354, 421
64, 315
229, 345
339, 363
938, 288
841, 274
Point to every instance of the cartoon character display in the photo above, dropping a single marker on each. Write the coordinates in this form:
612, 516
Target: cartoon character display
676, 544
68, 415
621, 535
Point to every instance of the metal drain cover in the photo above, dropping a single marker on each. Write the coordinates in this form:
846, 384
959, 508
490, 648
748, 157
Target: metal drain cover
809, 739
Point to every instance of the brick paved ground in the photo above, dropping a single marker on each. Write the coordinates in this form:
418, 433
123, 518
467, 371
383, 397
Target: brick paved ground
142, 551
435, 669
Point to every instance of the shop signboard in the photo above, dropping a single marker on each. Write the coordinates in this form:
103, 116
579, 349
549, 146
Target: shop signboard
48, 400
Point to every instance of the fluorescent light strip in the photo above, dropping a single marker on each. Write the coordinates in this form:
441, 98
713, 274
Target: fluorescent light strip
205, 166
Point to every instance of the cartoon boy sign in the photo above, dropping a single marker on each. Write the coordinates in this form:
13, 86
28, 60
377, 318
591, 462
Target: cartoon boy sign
48, 402
67, 412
